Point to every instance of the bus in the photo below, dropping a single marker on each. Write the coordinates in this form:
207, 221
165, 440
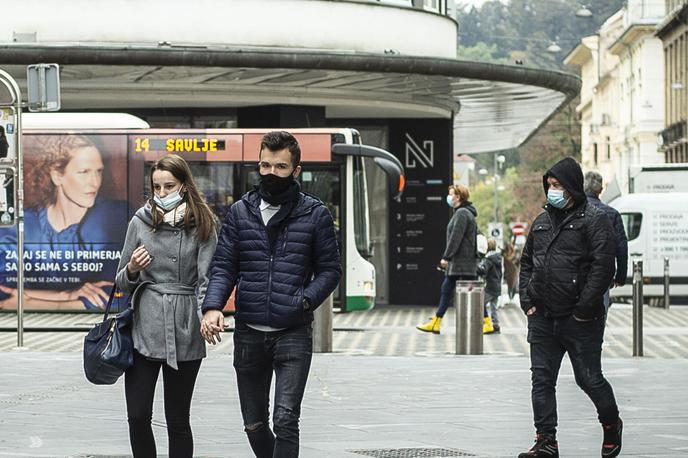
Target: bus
84, 177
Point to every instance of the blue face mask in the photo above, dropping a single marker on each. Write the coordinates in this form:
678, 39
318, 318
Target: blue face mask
556, 198
450, 200
168, 202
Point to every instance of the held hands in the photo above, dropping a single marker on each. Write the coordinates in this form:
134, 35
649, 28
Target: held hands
140, 259
212, 325
531, 311
444, 263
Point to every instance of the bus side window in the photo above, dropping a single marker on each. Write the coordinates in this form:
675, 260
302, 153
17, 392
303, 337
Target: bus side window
632, 223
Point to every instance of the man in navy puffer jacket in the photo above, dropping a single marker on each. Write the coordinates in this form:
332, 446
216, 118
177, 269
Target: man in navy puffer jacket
278, 247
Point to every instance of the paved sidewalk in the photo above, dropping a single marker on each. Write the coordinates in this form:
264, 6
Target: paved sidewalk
390, 331
478, 406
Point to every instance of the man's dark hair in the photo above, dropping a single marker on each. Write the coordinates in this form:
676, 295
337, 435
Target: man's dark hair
278, 140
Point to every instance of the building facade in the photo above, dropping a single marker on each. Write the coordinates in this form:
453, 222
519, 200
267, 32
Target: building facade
673, 31
622, 98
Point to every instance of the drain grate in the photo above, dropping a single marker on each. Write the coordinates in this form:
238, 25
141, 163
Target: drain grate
416, 452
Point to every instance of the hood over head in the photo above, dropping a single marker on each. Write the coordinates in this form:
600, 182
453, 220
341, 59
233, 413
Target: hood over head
570, 175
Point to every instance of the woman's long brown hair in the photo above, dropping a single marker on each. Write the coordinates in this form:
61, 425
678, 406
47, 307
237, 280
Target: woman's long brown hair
198, 214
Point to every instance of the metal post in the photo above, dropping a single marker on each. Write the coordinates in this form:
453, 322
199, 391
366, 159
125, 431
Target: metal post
322, 327
14, 90
496, 197
637, 307
667, 277
469, 319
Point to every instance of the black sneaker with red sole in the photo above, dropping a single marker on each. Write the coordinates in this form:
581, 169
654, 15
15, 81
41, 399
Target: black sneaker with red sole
611, 445
545, 447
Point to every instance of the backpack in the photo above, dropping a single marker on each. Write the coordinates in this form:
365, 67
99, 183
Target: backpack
480, 244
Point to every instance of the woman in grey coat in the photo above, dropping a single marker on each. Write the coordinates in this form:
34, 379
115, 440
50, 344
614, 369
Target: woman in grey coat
168, 248
460, 260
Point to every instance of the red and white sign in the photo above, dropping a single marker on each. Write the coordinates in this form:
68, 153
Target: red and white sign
518, 229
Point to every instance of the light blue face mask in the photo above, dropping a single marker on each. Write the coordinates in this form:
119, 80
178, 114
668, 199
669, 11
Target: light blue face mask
556, 198
450, 200
168, 202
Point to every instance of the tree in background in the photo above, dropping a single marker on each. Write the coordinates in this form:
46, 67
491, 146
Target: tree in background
522, 30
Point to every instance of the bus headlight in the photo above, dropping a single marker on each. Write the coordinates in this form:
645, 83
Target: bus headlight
368, 286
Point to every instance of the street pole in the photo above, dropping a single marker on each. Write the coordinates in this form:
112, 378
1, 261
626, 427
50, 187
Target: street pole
496, 197
667, 278
637, 307
14, 90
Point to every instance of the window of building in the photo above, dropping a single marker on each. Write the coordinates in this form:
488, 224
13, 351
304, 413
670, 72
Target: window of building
594, 153
609, 148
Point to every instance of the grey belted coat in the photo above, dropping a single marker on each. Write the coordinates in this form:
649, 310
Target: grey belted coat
168, 293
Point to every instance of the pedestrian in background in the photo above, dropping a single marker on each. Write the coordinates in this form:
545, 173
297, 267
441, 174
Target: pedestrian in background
566, 266
278, 247
169, 244
459, 260
511, 266
490, 268
593, 188
4, 144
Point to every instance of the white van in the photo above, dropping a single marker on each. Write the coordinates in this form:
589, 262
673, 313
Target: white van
657, 227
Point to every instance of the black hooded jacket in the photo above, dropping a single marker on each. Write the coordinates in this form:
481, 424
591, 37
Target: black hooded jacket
568, 260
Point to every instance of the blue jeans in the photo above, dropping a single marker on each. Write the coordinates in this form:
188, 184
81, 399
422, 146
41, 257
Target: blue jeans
491, 308
549, 339
447, 291
256, 355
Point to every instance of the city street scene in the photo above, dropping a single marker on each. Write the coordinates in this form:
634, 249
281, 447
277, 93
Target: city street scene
344, 228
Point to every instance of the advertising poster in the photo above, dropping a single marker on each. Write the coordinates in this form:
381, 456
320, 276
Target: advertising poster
76, 216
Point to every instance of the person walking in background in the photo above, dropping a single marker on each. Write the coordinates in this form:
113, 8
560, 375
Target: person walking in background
511, 265
169, 244
566, 267
278, 247
459, 260
490, 268
4, 144
593, 188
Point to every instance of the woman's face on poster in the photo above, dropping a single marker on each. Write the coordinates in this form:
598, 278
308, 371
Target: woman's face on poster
82, 176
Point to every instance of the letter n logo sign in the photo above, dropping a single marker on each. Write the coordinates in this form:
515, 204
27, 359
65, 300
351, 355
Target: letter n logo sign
415, 155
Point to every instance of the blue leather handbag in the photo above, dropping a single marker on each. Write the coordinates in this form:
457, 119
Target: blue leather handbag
108, 347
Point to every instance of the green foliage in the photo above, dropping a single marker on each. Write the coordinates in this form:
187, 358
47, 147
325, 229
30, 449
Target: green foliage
500, 32
527, 27
482, 53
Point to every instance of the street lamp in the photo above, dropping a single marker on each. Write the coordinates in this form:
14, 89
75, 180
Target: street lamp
554, 48
499, 160
583, 12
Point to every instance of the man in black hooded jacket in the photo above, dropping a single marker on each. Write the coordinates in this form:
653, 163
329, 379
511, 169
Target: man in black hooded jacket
566, 267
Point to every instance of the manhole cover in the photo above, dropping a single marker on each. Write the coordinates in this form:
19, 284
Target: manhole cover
415, 452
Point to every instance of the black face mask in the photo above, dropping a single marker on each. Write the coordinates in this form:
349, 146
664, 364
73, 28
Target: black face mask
275, 184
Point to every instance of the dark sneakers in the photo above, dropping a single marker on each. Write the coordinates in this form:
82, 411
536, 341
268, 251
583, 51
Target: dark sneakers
545, 447
611, 446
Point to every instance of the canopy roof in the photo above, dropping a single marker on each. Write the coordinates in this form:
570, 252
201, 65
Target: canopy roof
495, 107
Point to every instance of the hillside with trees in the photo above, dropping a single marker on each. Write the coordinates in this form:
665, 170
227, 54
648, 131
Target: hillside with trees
519, 32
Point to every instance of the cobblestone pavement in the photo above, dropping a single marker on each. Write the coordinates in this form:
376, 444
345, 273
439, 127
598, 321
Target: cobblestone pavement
390, 331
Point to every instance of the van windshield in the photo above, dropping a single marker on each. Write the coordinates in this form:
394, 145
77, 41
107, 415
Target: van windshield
632, 223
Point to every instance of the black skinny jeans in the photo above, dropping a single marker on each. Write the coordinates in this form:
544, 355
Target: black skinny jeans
549, 339
139, 389
256, 355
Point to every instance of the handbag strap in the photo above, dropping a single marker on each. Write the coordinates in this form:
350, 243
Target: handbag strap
109, 304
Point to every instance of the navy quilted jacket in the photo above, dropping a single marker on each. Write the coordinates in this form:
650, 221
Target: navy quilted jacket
272, 282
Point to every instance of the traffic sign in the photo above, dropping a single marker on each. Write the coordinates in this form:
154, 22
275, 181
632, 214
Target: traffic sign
518, 229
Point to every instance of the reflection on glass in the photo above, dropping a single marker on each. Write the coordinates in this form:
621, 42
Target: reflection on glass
632, 223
